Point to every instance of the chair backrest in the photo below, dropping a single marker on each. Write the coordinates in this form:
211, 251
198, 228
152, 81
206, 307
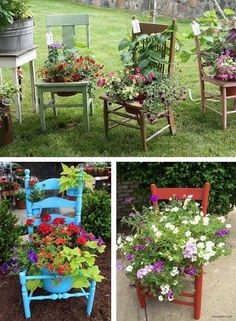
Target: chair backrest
68, 24
198, 194
199, 58
152, 28
34, 208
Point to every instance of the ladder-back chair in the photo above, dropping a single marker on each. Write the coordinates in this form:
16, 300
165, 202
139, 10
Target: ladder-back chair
68, 24
52, 184
227, 89
132, 111
198, 194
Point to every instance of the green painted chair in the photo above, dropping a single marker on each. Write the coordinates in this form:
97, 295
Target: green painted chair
68, 25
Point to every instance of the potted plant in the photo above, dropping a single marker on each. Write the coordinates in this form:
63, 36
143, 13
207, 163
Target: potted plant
66, 252
20, 175
154, 94
16, 26
67, 65
169, 244
36, 195
20, 199
7, 93
72, 178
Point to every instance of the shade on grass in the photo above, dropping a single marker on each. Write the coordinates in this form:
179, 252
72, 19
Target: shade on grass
197, 134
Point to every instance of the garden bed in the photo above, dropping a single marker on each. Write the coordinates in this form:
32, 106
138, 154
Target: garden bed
11, 307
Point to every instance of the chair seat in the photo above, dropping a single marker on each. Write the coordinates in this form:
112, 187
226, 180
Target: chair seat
218, 82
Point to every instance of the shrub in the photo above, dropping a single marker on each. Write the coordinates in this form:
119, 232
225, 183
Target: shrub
96, 213
221, 176
9, 231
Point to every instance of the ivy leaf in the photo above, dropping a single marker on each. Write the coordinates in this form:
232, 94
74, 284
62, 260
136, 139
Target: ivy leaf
80, 282
32, 285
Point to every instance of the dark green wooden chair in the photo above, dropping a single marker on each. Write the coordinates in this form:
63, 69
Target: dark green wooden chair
68, 24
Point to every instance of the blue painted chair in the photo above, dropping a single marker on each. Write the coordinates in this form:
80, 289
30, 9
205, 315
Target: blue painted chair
33, 210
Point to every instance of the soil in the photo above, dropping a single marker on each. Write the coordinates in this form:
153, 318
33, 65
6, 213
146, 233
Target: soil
73, 309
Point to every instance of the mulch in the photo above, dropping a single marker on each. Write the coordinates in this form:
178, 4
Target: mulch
74, 309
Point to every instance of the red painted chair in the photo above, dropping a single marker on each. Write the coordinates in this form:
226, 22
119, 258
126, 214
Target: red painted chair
199, 194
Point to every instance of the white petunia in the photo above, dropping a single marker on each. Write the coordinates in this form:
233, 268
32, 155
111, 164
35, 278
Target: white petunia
228, 225
194, 258
119, 240
158, 234
175, 209
185, 222
172, 227
129, 268
206, 256
203, 238
209, 244
205, 221
188, 233
154, 228
176, 230
129, 239
201, 245
170, 258
221, 244
221, 219
168, 225
174, 271
160, 298
175, 282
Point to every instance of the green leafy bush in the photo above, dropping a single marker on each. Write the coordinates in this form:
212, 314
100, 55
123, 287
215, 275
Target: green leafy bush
96, 213
221, 176
9, 231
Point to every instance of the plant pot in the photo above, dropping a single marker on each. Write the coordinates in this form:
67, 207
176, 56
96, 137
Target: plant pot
66, 94
72, 192
20, 204
17, 36
6, 128
52, 286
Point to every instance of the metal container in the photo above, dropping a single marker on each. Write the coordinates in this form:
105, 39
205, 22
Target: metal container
17, 36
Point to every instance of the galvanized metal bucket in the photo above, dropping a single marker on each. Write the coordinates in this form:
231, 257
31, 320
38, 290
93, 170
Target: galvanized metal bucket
17, 36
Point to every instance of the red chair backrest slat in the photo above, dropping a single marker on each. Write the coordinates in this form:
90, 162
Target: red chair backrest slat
198, 194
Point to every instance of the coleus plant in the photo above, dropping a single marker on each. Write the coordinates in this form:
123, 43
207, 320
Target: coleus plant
169, 244
64, 250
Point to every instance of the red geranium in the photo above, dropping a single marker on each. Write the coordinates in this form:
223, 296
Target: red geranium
45, 228
81, 240
32, 183
58, 221
29, 222
46, 218
59, 241
72, 228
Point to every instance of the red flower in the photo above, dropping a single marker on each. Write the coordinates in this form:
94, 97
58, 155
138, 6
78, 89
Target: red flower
81, 240
73, 229
45, 228
58, 221
59, 241
32, 183
46, 218
29, 222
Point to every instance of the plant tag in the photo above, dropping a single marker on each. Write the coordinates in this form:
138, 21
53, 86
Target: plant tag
136, 26
196, 28
49, 37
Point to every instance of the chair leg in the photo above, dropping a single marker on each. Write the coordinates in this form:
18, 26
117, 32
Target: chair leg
25, 297
41, 109
92, 290
224, 109
86, 109
91, 106
141, 298
53, 102
143, 132
105, 115
234, 103
198, 296
203, 96
171, 122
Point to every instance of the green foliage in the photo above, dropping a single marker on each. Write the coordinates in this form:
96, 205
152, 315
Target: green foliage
71, 177
37, 195
7, 92
219, 175
168, 244
13, 10
96, 213
20, 195
9, 231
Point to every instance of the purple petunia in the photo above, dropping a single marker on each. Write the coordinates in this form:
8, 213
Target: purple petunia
32, 256
100, 242
120, 266
222, 232
142, 272
129, 199
55, 46
4, 268
190, 250
190, 270
158, 266
139, 247
170, 295
153, 198
130, 257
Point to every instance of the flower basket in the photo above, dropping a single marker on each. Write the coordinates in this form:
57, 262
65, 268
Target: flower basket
58, 284
66, 94
6, 127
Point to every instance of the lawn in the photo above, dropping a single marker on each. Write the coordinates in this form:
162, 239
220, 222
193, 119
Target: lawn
197, 134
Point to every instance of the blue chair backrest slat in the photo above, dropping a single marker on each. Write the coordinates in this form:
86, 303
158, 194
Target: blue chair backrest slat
48, 184
53, 202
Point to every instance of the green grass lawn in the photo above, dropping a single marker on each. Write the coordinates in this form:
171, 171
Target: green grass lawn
197, 134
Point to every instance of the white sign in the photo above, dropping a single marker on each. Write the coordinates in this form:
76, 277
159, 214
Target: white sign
196, 28
136, 26
49, 37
